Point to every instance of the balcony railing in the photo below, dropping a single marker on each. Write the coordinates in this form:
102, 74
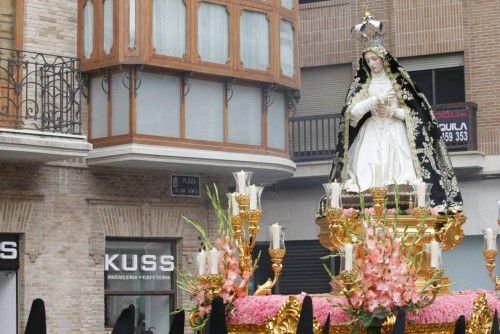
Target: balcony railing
315, 137
40, 92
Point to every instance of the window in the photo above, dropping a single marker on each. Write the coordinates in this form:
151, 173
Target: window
213, 33
169, 27
286, 49
158, 105
276, 116
442, 85
140, 273
245, 110
254, 40
88, 28
8, 24
205, 110
107, 26
131, 24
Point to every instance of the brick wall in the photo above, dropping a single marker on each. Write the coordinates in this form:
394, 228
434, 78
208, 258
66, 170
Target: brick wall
64, 215
482, 69
50, 26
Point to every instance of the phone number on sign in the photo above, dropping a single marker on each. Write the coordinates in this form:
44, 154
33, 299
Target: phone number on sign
455, 136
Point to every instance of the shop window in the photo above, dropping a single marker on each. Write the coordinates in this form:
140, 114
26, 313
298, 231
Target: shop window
288, 4
140, 273
442, 85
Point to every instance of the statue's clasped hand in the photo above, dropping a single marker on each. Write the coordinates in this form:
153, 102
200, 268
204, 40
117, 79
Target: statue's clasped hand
384, 106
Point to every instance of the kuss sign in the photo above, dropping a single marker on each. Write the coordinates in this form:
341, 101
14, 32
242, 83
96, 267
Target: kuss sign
9, 252
132, 262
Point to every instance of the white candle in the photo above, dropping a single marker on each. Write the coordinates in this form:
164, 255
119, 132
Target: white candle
253, 197
201, 260
348, 257
235, 209
241, 182
213, 260
275, 236
490, 242
421, 194
336, 189
378, 177
435, 254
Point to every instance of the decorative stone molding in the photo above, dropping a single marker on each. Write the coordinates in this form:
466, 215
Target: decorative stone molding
132, 219
17, 215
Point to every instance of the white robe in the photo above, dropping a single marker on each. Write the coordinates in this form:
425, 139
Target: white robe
380, 140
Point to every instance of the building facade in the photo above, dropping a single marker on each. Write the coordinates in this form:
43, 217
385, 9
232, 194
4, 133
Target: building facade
114, 117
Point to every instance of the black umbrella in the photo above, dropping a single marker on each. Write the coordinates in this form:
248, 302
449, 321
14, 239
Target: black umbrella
399, 325
326, 326
217, 319
460, 325
305, 325
125, 322
494, 326
36, 320
177, 325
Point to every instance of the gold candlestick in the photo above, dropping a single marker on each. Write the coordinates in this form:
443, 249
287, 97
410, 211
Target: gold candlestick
490, 257
277, 256
378, 195
245, 228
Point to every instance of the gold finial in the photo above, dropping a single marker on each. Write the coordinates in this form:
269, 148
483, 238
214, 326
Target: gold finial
365, 9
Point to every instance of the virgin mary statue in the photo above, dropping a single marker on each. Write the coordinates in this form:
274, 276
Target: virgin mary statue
387, 122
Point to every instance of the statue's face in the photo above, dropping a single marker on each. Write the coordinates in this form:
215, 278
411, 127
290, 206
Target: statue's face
374, 62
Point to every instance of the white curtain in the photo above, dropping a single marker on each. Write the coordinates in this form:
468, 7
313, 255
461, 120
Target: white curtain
131, 24
276, 122
254, 40
88, 28
205, 110
169, 27
99, 108
288, 4
286, 49
245, 112
213, 33
120, 105
107, 28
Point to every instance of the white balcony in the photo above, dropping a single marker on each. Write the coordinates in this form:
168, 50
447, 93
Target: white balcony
41, 147
268, 168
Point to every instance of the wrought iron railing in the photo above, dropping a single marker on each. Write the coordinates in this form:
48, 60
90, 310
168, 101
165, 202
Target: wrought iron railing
40, 92
315, 137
